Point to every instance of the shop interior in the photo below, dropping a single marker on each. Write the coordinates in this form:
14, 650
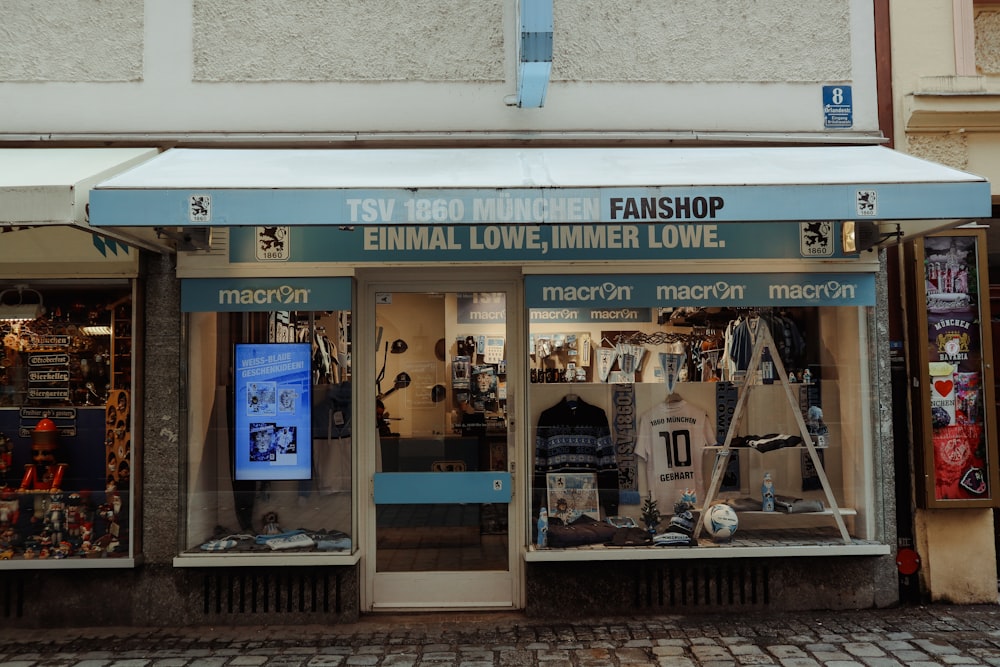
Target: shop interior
65, 419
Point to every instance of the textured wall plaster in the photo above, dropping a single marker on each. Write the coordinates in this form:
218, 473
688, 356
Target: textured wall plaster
951, 149
702, 40
71, 40
462, 40
344, 40
987, 24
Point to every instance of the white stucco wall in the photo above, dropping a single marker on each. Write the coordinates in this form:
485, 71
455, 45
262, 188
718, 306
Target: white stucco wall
71, 40
340, 40
342, 66
716, 40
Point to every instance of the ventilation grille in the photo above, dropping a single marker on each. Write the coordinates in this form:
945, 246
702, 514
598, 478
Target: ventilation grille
272, 592
709, 586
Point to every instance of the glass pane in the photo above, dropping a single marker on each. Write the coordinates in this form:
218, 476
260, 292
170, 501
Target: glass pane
66, 419
441, 537
628, 422
270, 423
441, 409
961, 466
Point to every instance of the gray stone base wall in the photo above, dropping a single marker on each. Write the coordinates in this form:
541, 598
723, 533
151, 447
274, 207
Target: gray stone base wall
689, 586
159, 596
167, 596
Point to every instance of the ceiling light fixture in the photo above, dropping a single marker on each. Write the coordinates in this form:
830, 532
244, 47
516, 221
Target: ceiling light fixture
20, 311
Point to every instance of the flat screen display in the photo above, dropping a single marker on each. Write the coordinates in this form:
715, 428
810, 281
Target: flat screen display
273, 409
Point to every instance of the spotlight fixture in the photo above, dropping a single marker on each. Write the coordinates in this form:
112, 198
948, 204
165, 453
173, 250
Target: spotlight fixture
860, 235
20, 311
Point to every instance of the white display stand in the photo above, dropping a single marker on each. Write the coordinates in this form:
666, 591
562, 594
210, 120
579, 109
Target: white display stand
762, 340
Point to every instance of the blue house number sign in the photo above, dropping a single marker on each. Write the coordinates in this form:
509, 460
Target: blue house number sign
838, 109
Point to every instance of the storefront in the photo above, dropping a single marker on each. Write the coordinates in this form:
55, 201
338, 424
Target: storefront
475, 378
70, 375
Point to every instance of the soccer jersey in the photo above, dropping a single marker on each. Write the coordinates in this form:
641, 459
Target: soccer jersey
671, 439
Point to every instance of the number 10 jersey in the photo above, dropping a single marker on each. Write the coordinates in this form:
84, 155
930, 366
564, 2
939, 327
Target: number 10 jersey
671, 440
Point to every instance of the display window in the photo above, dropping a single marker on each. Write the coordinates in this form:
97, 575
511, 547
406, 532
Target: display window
952, 352
66, 422
699, 412
270, 460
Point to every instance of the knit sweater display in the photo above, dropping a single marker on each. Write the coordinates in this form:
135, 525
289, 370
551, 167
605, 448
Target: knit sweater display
575, 436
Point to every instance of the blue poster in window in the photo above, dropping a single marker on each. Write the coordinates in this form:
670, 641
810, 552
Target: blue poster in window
273, 408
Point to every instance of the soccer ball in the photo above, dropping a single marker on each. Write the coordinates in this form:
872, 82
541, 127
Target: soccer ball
721, 522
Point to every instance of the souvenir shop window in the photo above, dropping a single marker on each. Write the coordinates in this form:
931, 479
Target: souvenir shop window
65, 419
629, 426
951, 357
270, 428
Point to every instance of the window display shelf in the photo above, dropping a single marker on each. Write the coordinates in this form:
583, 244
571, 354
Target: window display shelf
223, 559
68, 564
751, 544
827, 511
763, 341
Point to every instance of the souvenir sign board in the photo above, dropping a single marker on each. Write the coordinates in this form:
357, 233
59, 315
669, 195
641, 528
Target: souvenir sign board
273, 411
959, 460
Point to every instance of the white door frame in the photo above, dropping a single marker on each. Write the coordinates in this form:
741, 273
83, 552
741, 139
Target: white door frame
408, 586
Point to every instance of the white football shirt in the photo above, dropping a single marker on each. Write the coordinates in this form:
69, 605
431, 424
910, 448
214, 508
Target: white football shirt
671, 440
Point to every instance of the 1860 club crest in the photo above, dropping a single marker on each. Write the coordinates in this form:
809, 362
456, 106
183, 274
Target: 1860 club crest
816, 239
272, 243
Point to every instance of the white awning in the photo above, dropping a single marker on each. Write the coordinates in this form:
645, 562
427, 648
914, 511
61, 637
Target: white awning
469, 186
51, 186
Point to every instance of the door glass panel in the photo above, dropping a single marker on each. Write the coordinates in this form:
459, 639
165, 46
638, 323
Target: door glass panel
441, 415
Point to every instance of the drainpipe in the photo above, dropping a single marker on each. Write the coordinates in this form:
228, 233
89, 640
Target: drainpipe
534, 54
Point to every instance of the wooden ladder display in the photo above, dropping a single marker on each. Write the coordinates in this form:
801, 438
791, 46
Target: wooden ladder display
762, 340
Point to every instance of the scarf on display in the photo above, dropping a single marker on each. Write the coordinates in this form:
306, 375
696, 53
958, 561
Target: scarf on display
623, 431
726, 396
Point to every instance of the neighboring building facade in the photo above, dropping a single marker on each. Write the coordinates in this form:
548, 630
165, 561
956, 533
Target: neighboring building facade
946, 87
428, 302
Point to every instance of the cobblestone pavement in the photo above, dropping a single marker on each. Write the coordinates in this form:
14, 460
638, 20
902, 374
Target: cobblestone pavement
919, 635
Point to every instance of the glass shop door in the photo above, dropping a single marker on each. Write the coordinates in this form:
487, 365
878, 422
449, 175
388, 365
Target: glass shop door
442, 488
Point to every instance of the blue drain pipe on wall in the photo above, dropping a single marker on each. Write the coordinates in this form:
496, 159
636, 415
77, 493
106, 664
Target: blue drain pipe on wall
535, 59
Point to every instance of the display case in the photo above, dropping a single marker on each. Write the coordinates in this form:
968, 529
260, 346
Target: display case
66, 424
951, 357
271, 439
693, 403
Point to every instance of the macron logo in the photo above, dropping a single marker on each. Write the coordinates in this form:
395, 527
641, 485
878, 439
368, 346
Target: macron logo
284, 295
606, 291
831, 290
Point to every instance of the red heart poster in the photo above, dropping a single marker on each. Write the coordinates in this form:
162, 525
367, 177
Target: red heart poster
944, 387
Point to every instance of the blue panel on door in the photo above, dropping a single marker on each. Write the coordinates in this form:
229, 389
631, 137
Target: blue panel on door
393, 488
